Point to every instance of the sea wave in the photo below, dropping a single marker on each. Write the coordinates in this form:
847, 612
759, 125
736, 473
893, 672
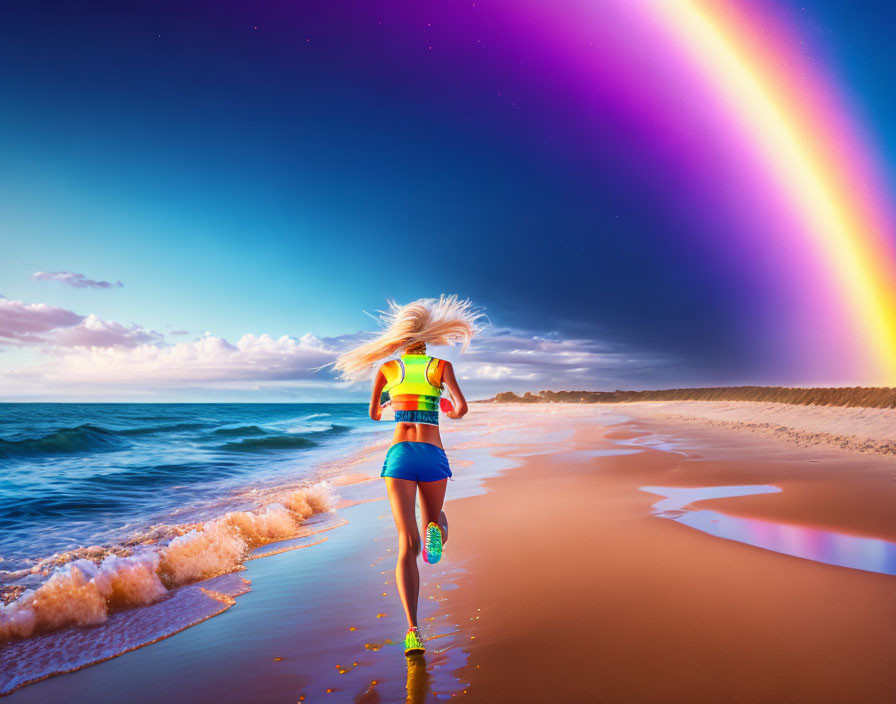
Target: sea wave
284, 442
114, 491
94, 438
275, 442
155, 429
70, 505
242, 431
83, 587
82, 438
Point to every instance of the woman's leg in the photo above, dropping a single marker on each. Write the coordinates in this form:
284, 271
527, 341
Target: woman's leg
432, 496
402, 497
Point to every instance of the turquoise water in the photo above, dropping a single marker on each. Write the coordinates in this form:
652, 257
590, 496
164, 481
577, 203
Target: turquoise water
73, 475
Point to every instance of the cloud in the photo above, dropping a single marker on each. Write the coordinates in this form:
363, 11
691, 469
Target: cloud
26, 323
88, 353
94, 332
527, 360
208, 359
39, 324
70, 278
492, 371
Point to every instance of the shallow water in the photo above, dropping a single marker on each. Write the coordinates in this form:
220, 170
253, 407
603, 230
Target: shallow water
829, 547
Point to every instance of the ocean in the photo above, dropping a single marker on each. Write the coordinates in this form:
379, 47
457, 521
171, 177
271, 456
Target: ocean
124, 524
73, 476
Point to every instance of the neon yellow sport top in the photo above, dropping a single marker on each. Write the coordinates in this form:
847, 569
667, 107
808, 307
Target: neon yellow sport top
414, 385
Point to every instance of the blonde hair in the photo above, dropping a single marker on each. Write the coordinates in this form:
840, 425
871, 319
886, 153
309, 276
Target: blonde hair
443, 321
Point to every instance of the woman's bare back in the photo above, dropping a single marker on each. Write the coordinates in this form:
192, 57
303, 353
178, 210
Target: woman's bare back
417, 432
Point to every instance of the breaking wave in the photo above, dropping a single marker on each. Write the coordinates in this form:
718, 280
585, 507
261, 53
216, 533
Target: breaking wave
82, 587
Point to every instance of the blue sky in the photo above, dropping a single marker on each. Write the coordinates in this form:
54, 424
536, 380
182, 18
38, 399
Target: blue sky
275, 169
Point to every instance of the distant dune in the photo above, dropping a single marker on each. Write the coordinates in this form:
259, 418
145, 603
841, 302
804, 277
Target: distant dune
856, 396
860, 429
856, 419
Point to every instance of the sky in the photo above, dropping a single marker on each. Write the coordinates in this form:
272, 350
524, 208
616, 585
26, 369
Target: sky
201, 200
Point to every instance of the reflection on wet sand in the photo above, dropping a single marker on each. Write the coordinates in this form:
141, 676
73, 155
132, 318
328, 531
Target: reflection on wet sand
419, 679
829, 547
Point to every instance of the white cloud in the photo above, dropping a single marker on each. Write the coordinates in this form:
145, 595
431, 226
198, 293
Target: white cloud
551, 360
94, 356
26, 323
70, 278
208, 359
491, 371
94, 332
39, 324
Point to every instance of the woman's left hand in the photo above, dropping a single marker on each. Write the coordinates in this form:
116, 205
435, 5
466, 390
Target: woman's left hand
377, 413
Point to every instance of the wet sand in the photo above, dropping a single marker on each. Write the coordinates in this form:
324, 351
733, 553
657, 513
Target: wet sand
559, 583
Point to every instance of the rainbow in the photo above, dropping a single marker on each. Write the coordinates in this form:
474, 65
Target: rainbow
818, 202
811, 153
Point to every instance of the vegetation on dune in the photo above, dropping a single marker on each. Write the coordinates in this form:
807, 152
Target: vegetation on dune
867, 397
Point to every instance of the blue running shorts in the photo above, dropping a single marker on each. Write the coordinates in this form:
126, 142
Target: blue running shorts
416, 461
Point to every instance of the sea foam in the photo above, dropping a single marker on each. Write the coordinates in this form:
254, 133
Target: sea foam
83, 592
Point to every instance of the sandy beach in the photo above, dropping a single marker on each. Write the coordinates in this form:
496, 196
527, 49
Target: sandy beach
596, 554
624, 271
614, 606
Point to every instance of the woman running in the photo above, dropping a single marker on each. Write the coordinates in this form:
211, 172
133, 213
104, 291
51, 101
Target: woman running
416, 458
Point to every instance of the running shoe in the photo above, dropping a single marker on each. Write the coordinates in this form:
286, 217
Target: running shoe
413, 643
432, 544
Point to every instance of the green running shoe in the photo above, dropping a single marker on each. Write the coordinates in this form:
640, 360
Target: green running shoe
413, 643
432, 544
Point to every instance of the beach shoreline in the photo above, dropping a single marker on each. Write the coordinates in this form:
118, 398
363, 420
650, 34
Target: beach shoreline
561, 580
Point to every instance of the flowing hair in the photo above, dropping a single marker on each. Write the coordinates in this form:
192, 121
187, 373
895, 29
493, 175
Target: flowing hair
443, 321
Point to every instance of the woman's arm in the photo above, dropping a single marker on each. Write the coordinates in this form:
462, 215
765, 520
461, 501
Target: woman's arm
460, 403
376, 410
